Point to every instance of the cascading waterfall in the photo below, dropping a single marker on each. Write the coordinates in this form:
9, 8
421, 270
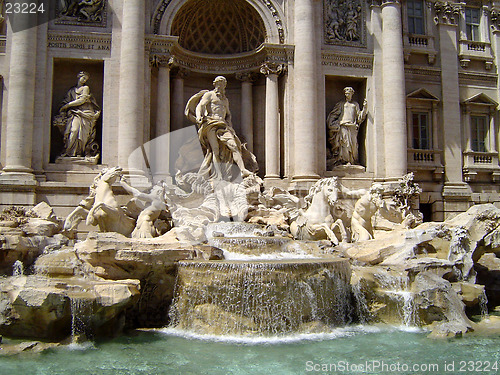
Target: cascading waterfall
81, 314
483, 305
361, 306
260, 297
396, 287
18, 268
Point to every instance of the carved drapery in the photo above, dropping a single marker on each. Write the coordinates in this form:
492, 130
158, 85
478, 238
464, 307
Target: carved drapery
344, 22
447, 13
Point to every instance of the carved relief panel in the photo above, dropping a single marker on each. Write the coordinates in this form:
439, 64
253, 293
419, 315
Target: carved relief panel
81, 12
344, 22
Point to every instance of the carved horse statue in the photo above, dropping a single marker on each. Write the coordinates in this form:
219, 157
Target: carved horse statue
316, 222
101, 207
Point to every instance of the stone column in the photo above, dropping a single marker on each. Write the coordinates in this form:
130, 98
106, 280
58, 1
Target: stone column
394, 90
447, 18
467, 129
160, 149
20, 104
495, 27
131, 100
375, 134
163, 99
272, 71
247, 107
435, 125
178, 103
492, 134
305, 81
456, 192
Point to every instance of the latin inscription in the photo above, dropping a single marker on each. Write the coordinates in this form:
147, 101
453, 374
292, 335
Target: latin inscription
81, 46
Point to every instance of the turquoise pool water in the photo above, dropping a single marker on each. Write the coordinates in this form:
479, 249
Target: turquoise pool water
352, 350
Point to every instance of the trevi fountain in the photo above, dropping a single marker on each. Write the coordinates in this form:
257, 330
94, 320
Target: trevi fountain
182, 257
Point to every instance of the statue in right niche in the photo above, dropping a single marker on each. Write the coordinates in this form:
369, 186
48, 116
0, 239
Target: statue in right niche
343, 124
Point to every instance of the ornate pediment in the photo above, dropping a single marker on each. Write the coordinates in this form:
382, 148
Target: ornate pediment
344, 22
422, 94
480, 99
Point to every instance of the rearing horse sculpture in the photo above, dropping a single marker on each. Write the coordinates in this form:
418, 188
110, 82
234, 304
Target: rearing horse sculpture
317, 222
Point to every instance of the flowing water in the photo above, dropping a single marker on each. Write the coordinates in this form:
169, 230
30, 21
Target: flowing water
261, 297
174, 352
396, 287
18, 268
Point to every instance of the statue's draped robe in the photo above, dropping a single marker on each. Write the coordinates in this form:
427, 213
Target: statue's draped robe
80, 131
343, 138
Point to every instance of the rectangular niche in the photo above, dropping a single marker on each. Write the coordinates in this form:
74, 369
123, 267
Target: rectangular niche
64, 80
334, 93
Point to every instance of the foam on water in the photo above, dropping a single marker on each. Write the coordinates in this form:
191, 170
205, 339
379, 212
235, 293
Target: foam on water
334, 333
80, 346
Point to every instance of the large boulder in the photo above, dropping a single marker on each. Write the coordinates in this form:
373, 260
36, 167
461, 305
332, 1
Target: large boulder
115, 257
437, 303
488, 274
26, 234
461, 241
47, 308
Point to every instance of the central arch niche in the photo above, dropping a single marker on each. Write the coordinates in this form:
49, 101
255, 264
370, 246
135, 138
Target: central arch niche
218, 27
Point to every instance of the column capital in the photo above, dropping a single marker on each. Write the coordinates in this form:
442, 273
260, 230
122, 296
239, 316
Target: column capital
447, 13
388, 2
157, 61
272, 68
495, 19
246, 76
178, 72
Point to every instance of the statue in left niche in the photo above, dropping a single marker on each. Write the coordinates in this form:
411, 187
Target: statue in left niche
77, 120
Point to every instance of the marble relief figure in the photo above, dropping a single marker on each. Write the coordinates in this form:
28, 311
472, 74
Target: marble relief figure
222, 147
77, 119
83, 10
342, 125
342, 21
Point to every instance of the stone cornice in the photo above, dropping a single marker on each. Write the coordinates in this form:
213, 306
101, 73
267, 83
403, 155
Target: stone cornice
480, 78
447, 13
430, 74
160, 45
217, 64
346, 60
